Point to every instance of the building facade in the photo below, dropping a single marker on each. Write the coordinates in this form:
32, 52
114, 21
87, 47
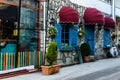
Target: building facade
18, 34
108, 7
101, 34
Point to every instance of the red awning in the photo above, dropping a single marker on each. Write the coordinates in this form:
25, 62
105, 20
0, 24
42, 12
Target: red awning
93, 16
68, 15
109, 23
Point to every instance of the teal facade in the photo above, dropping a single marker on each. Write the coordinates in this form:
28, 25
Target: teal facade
27, 43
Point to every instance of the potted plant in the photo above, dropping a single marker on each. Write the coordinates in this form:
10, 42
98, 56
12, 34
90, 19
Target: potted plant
86, 51
67, 48
52, 32
81, 33
51, 56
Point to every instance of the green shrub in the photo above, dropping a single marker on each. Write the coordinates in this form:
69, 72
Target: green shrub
81, 33
52, 32
52, 53
85, 49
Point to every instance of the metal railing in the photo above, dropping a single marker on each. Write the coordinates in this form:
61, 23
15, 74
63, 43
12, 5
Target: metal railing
7, 59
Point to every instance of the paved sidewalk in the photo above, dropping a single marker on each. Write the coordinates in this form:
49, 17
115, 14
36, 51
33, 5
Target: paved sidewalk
67, 73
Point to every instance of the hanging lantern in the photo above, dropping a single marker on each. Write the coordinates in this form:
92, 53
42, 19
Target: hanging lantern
15, 32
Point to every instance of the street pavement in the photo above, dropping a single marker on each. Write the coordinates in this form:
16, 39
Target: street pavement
102, 69
106, 74
115, 76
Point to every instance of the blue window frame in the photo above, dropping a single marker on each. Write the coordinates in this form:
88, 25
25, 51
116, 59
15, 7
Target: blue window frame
106, 37
66, 36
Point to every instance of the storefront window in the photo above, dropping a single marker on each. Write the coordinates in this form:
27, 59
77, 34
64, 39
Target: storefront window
28, 2
8, 16
9, 25
13, 52
27, 38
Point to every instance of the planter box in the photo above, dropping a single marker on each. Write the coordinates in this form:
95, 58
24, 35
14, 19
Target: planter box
48, 70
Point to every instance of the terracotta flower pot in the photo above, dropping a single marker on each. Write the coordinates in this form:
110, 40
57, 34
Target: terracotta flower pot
48, 70
87, 58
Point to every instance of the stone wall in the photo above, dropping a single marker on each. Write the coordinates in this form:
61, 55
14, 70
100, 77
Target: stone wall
64, 58
99, 52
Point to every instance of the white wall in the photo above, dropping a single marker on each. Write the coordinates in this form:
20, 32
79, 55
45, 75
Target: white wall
117, 7
100, 5
118, 12
117, 3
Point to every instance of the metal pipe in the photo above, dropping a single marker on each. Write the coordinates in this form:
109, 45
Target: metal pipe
44, 27
113, 10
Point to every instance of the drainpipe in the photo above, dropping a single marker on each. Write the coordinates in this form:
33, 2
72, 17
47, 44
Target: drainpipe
44, 26
113, 10
114, 15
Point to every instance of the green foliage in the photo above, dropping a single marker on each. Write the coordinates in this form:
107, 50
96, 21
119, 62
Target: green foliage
67, 48
81, 33
85, 49
52, 53
52, 32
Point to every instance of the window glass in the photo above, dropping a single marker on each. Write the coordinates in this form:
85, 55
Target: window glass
7, 22
65, 34
28, 2
28, 32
